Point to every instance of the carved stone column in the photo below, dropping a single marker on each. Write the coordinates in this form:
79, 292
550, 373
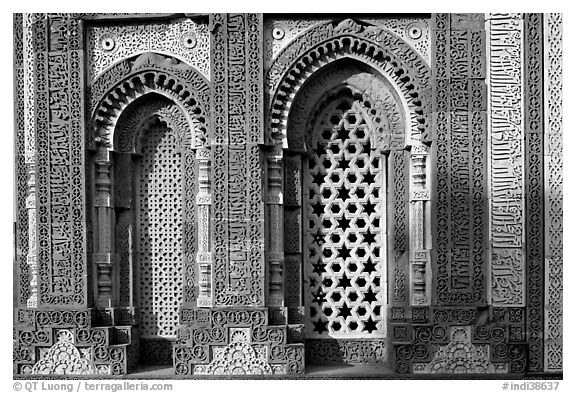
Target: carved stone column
104, 257
419, 255
203, 203
275, 211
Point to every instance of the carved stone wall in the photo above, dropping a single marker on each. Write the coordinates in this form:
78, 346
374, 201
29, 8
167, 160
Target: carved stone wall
280, 31
238, 206
236, 342
22, 118
61, 196
460, 126
187, 40
506, 87
437, 177
73, 342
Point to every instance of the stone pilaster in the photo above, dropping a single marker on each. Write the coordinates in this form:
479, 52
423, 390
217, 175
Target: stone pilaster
204, 203
104, 257
419, 254
275, 213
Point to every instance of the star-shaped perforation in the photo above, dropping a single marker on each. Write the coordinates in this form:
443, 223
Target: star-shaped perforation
369, 266
369, 237
344, 282
370, 296
319, 296
343, 163
343, 223
320, 326
343, 193
369, 208
319, 238
370, 325
318, 179
318, 209
342, 134
369, 178
344, 311
344, 252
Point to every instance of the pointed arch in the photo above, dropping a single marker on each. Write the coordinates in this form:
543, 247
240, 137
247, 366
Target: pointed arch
126, 82
394, 59
149, 120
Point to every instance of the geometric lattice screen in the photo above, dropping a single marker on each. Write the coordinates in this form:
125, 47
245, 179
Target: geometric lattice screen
345, 243
159, 221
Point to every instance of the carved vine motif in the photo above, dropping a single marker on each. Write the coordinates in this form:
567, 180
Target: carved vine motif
186, 40
321, 45
278, 33
553, 175
63, 358
345, 351
460, 356
237, 358
534, 163
24, 138
460, 151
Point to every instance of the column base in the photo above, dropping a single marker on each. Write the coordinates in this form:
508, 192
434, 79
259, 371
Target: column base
210, 340
75, 342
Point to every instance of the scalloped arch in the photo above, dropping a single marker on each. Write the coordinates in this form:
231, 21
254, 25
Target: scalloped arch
385, 107
120, 86
393, 58
143, 114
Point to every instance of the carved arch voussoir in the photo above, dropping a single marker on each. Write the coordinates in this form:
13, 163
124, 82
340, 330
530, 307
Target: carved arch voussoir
394, 59
113, 92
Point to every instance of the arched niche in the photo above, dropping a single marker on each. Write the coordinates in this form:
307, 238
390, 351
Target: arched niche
155, 240
390, 88
149, 124
335, 267
327, 43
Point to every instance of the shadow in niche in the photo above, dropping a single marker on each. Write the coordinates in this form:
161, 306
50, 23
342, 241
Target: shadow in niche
327, 358
344, 353
156, 351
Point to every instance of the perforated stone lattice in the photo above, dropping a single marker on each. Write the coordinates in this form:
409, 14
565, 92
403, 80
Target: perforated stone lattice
343, 236
159, 233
